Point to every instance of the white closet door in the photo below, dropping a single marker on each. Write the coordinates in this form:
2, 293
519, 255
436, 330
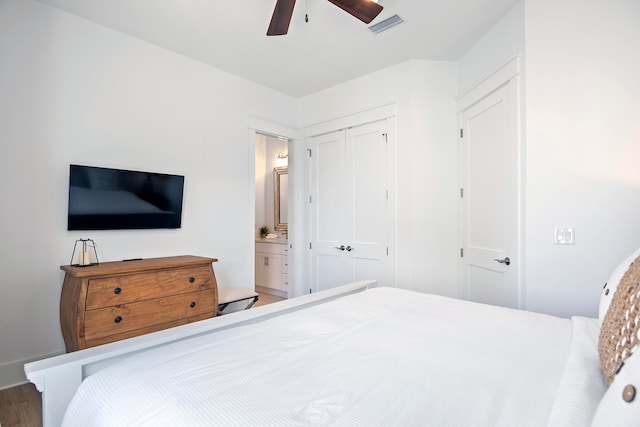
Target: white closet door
366, 207
349, 181
327, 207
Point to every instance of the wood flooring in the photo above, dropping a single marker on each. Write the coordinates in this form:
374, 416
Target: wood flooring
265, 299
21, 406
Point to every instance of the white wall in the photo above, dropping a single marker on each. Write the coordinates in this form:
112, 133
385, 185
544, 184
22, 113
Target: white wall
501, 43
75, 92
426, 162
583, 146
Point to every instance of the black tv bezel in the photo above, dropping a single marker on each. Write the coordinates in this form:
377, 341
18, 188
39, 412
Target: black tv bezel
143, 221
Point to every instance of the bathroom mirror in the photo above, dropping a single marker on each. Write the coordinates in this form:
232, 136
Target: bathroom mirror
281, 202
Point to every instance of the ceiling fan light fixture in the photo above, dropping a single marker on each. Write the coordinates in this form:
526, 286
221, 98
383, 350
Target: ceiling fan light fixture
385, 24
364, 10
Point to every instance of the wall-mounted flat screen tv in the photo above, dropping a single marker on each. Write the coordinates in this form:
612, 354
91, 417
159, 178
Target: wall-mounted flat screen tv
114, 199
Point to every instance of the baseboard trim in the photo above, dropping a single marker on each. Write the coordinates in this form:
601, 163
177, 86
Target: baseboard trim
12, 373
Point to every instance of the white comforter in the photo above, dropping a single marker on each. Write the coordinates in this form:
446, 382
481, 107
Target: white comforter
384, 357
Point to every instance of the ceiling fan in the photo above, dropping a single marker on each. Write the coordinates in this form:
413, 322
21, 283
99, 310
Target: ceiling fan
364, 10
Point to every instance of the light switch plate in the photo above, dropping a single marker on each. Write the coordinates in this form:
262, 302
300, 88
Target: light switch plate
564, 236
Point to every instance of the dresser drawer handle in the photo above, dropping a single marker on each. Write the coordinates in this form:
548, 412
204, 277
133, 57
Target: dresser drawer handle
192, 279
117, 291
118, 319
193, 304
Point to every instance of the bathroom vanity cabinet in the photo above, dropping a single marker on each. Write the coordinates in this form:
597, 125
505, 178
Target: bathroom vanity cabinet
272, 262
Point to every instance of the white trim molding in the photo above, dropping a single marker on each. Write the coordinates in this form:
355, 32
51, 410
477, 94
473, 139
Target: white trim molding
385, 111
270, 127
493, 81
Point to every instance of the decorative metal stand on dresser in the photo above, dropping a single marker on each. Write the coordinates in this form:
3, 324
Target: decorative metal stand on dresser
117, 300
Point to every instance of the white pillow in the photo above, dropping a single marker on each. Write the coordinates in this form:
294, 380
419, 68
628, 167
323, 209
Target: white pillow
613, 409
612, 284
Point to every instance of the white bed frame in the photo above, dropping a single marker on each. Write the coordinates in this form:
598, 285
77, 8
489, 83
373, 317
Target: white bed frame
59, 377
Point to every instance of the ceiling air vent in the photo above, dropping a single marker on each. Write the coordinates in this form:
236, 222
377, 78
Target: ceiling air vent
384, 25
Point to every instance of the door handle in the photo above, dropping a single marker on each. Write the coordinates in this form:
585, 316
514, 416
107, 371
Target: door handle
349, 248
505, 261
341, 247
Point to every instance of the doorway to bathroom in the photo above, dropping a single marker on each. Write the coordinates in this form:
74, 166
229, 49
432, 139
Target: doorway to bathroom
272, 215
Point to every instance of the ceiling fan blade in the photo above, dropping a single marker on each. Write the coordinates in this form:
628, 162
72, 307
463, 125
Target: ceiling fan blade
364, 10
281, 18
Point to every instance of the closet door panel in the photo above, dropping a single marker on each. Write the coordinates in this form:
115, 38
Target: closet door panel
366, 210
328, 200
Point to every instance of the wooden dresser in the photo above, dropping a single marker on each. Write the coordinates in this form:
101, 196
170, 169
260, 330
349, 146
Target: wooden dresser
117, 300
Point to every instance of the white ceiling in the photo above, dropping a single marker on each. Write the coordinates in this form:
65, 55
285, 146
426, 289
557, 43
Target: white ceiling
333, 47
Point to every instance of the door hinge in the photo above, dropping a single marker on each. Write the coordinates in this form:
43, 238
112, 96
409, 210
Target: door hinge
387, 250
462, 192
309, 245
386, 138
387, 195
309, 290
310, 199
309, 150
461, 253
461, 133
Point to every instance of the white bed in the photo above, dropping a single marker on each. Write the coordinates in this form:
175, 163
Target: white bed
351, 356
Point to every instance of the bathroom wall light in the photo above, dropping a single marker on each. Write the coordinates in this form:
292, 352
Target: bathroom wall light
282, 159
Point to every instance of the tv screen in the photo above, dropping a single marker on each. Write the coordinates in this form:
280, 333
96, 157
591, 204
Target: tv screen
114, 199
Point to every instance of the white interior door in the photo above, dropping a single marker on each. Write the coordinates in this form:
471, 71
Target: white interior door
328, 198
367, 197
489, 168
349, 205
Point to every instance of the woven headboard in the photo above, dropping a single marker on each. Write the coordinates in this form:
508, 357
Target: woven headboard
620, 326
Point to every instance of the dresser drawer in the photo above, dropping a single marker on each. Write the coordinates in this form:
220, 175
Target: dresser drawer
147, 330
128, 317
110, 291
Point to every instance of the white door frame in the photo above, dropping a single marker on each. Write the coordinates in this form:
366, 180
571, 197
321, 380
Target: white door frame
508, 73
297, 229
382, 112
